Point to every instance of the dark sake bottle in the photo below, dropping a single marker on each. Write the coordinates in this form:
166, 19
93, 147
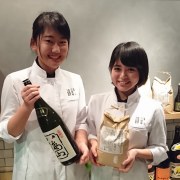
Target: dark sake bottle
174, 154
56, 132
163, 170
177, 100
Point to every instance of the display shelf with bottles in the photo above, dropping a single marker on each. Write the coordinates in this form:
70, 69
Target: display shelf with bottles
172, 115
176, 113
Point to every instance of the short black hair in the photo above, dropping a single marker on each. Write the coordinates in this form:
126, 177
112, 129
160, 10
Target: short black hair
50, 19
131, 54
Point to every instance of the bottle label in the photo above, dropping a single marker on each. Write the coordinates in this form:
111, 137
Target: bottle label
151, 175
162, 173
60, 144
175, 170
175, 147
177, 106
43, 111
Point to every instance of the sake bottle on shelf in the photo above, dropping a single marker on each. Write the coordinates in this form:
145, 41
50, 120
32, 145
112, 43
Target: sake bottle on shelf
56, 132
177, 100
174, 154
163, 170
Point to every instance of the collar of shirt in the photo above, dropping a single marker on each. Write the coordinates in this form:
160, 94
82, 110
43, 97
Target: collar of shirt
42, 73
48, 75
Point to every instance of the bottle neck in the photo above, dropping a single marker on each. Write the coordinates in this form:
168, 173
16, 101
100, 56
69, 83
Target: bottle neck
177, 133
179, 89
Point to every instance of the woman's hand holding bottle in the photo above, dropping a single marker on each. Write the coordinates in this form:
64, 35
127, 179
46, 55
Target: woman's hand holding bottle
30, 94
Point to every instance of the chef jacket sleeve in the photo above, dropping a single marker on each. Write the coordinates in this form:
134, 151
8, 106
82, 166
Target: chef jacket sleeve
9, 104
91, 119
157, 137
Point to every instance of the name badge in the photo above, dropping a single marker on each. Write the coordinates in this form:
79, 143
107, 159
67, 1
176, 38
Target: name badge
71, 92
139, 122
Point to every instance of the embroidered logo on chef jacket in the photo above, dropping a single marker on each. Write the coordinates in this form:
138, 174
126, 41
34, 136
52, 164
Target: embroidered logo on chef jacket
139, 122
71, 92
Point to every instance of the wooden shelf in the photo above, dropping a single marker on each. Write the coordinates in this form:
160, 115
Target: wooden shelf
173, 115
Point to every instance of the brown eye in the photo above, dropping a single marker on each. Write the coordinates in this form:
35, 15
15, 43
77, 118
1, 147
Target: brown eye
132, 69
63, 42
117, 69
49, 41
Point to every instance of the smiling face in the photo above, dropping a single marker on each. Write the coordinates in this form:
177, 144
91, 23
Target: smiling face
128, 67
124, 78
51, 49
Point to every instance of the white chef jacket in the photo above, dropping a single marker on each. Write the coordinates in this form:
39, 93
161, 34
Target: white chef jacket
147, 129
33, 157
